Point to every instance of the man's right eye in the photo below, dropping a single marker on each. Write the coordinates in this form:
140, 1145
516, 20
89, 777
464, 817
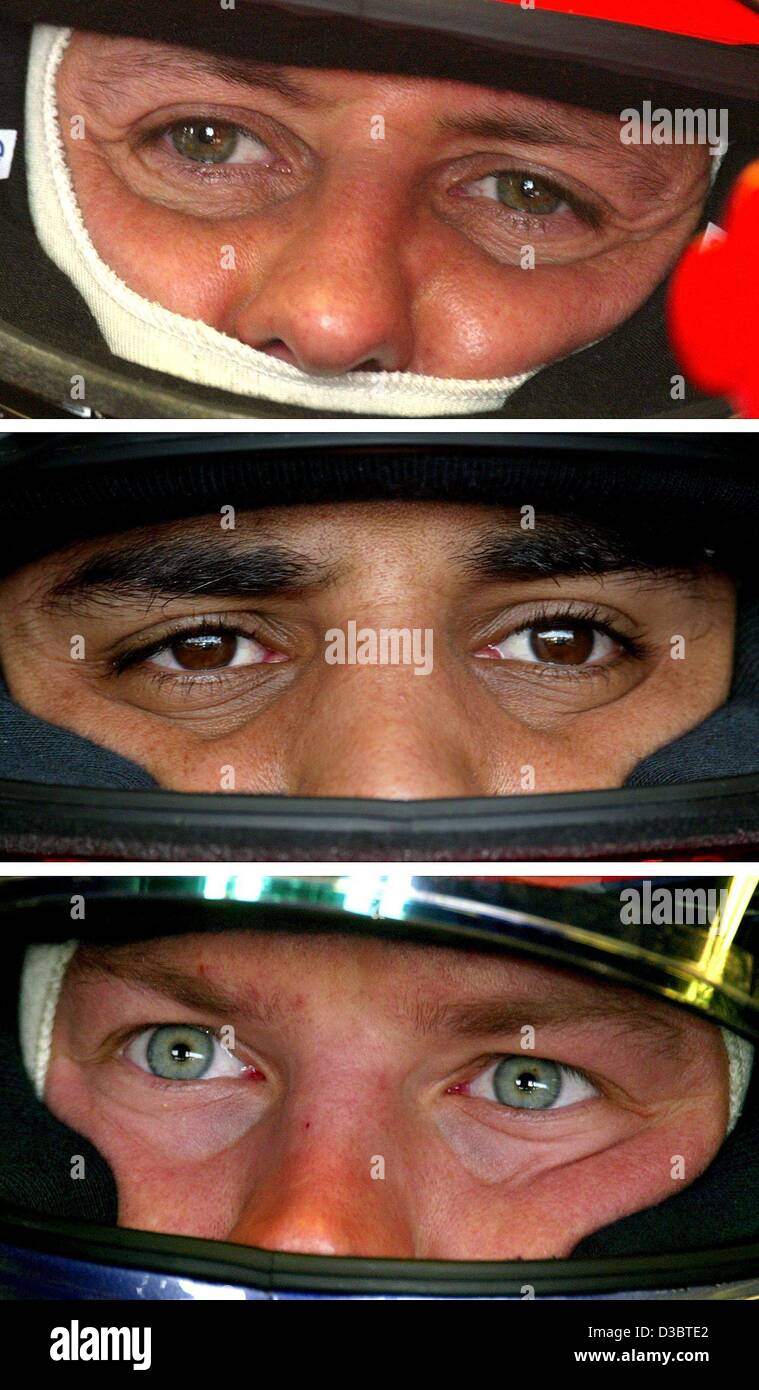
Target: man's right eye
202, 650
211, 651
182, 1052
208, 141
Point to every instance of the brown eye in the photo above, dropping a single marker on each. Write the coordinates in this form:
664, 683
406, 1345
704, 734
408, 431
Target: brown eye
205, 651
526, 193
207, 142
211, 651
563, 644
558, 643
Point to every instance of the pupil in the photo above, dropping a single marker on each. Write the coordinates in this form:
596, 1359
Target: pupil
206, 650
525, 1081
569, 646
180, 1052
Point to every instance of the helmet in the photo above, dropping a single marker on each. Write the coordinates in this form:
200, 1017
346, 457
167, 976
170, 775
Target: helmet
688, 942
61, 358
694, 796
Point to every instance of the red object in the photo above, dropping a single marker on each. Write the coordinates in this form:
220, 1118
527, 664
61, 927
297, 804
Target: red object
714, 303
720, 21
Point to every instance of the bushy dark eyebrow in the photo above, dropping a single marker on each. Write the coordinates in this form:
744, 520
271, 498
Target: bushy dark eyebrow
154, 569
561, 547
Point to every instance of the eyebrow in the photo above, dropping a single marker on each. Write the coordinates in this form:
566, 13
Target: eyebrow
190, 568
164, 64
574, 548
555, 130
538, 128
495, 1015
489, 1016
192, 991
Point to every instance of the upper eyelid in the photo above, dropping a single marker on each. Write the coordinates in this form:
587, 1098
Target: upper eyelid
541, 614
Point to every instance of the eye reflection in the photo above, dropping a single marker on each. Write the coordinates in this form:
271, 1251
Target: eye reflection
526, 193
206, 141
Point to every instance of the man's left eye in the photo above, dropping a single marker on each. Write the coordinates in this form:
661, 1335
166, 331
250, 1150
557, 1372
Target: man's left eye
217, 142
534, 1084
521, 192
182, 1052
558, 643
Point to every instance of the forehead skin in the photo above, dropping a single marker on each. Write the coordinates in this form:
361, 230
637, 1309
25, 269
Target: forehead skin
408, 275
467, 728
358, 1041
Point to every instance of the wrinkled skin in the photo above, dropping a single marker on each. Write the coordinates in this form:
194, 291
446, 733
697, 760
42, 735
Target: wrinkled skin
359, 220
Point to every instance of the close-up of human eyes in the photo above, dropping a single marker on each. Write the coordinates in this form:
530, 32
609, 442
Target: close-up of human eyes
183, 1052
535, 1084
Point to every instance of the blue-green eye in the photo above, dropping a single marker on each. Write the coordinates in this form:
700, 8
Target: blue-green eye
532, 1083
182, 1052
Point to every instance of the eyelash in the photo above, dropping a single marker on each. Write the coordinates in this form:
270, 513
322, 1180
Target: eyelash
634, 648
137, 655
585, 211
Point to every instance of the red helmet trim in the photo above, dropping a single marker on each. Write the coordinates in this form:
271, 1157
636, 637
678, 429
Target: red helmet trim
718, 21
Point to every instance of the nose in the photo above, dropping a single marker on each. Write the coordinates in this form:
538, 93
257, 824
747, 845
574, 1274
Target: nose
314, 1201
335, 297
386, 733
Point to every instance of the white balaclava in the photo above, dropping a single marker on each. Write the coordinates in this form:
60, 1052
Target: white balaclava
46, 965
145, 333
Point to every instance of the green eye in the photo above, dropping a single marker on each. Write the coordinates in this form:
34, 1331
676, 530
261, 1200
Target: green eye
206, 142
533, 1085
179, 1052
526, 193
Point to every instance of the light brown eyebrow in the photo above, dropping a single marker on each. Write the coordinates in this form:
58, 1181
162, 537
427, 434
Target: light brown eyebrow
118, 70
496, 1016
192, 991
530, 128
